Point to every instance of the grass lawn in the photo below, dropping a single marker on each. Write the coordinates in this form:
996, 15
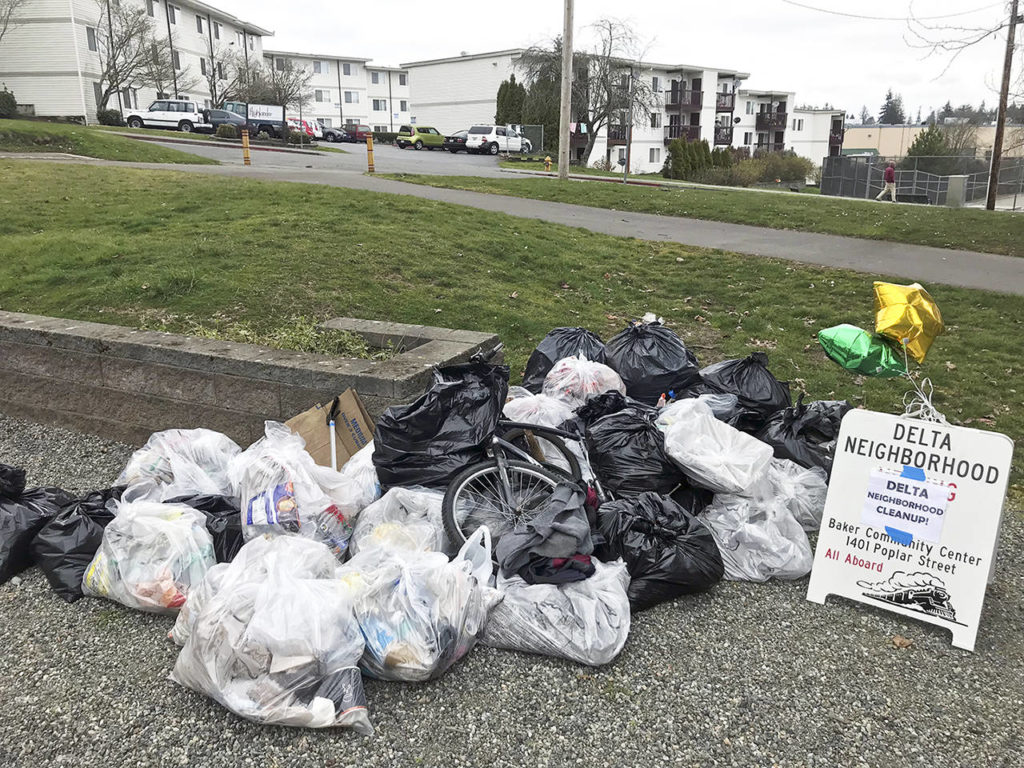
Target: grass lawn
532, 164
154, 131
165, 250
38, 136
964, 228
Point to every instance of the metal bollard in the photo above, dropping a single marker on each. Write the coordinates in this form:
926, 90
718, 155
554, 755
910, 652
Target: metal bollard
369, 153
547, 163
245, 147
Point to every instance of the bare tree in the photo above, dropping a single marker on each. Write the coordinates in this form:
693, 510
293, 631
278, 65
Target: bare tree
160, 73
601, 93
216, 71
961, 138
126, 43
287, 84
257, 82
8, 9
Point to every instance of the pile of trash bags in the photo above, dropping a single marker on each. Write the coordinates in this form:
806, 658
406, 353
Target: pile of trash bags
289, 581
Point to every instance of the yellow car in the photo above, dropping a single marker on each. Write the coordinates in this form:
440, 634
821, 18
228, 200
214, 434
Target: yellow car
418, 137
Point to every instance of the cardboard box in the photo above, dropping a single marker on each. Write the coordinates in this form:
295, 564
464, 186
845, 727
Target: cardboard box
353, 428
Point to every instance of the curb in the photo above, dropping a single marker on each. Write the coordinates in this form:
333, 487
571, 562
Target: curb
252, 147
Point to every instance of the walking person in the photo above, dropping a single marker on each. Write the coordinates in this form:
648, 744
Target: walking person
890, 182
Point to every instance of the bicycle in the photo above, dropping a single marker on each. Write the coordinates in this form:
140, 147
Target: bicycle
525, 464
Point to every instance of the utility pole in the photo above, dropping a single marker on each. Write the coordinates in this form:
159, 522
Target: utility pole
997, 143
565, 104
629, 127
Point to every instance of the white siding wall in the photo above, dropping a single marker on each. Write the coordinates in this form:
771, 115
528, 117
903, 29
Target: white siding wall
812, 141
452, 96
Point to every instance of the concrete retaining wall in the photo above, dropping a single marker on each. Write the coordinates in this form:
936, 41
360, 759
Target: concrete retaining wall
124, 384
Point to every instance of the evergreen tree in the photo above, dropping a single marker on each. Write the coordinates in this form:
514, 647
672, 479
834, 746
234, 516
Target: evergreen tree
705, 154
892, 110
946, 111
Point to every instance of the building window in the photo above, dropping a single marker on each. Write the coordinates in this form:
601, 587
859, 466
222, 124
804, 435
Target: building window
321, 96
748, 138
351, 97
149, 8
172, 14
279, 64
655, 155
351, 122
90, 36
216, 30
380, 105
98, 93
403, 106
202, 65
199, 24
402, 78
380, 128
346, 68
622, 153
220, 70
655, 119
176, 59
750, 107
207, 104
375, 78
325, 121
655, 86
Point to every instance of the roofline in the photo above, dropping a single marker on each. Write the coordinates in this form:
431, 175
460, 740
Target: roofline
467, 57
697, 68
766, 92
314, 55
245, 25
831, 110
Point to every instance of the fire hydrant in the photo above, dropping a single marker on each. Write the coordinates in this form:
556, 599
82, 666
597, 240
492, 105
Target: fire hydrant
547, 163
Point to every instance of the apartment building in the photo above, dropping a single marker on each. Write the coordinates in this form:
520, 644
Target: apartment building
50, 58
346, 90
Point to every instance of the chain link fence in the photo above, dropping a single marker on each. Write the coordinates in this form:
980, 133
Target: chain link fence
922, 179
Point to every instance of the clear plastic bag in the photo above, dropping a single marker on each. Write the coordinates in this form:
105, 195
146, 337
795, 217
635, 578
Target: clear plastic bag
404, 518
355, 486
575, 379
418, 612
275, 647
152, 555
180, 462
584, 621
283, 491
803, 491
758, 539
711, 453
547, 411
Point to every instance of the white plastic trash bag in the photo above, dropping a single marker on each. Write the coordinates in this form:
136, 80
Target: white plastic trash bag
283, 491
802, 490
277, 648
575, 379
585, 621
713, 454
151, 556
355, 486
548, 411
180, 462
404, 518
419, 613
759, 539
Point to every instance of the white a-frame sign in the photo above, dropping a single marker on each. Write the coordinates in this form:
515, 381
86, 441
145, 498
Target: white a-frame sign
912, 519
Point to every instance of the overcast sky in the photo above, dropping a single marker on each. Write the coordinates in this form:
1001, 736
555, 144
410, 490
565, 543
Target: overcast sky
823, 57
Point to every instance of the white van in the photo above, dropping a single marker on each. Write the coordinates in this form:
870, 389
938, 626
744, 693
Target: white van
176, 114
492, 139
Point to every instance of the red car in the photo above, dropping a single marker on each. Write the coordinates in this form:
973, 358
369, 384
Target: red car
357, 132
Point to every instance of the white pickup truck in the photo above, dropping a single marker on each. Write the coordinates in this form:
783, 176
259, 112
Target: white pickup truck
176, 114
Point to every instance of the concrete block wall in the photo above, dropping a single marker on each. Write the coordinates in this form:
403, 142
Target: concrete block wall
124, 384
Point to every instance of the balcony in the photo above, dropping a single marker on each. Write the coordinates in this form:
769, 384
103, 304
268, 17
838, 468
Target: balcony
617, 135
723, 134
684, 99
769, 121
776, 146
725, 102
688, 132
835, 138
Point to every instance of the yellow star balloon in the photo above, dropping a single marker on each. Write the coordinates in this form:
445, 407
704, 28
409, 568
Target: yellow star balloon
906, 314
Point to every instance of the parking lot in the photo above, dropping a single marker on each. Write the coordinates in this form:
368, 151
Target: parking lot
387, 158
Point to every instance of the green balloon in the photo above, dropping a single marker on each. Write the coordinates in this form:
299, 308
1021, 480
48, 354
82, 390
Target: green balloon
857, 350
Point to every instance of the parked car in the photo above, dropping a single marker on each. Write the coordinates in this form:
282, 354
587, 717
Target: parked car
219, 117
357, 132
310, 127
492, 139
336, 134
418, 137
178, 114
456, 142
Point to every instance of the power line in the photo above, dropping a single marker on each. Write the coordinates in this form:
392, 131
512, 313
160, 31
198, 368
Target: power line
887, 18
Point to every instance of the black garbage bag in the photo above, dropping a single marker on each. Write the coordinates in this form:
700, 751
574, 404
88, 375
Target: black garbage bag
558, 344
652, 360
627, 453
223, 521
67, 544
806, 434
447, 429
23, 512
667, 550
758, 392
694, 500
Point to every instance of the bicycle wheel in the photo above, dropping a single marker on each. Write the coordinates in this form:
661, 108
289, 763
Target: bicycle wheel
474, 498
547, 448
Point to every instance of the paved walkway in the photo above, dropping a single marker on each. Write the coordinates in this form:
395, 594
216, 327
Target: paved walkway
1004, 274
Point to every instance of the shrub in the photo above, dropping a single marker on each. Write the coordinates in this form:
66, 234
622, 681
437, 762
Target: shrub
384, 137
109, 117
8, 104
299, 137
786, 166
227, 131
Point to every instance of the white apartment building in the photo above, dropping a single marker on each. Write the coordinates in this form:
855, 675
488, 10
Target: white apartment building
50, 59
817, 133
346, 90
770, 121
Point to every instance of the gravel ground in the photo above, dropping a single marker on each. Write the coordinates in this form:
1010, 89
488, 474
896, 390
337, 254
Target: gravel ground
748, 675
